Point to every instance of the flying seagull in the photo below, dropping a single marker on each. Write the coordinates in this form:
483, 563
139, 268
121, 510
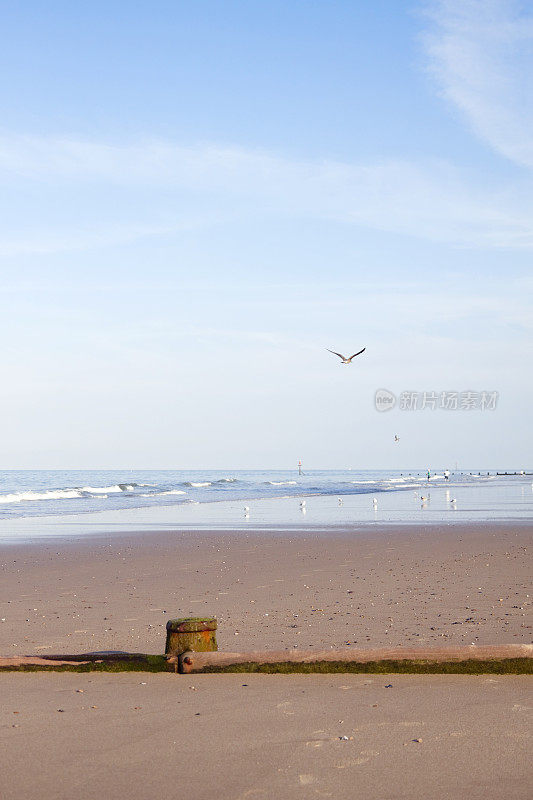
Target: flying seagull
344, 359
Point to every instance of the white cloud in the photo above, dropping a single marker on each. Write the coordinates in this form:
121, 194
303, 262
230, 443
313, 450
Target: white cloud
481, 54
106, 184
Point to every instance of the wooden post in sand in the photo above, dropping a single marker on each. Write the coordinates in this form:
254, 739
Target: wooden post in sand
195, 634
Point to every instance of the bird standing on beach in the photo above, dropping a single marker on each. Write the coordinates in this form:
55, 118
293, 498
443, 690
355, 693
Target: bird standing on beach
346, 360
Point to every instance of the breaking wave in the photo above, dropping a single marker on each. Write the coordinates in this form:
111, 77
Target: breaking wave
52, 494
117, 487
74, 493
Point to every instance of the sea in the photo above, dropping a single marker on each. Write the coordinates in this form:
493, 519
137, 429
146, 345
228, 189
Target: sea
80, 501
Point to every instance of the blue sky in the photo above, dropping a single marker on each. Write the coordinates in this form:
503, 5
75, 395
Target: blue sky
198, 198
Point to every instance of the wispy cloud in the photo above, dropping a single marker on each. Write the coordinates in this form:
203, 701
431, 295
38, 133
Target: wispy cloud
43, 241
481, 54
430, 200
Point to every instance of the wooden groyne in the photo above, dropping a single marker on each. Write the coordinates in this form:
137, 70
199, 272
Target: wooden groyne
472, 659
191, 646
469, 658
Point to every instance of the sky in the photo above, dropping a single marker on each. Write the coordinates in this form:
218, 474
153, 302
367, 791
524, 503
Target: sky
197, 199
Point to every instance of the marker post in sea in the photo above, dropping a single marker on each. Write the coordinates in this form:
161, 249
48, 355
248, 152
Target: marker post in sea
300, 467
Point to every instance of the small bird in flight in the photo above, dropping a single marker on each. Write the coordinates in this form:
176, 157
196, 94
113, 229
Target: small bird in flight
344, 359
396, 438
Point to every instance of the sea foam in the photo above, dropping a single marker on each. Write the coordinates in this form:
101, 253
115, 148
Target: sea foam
52, 494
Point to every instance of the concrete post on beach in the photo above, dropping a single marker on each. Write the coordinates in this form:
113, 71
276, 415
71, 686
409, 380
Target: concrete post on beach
195, 634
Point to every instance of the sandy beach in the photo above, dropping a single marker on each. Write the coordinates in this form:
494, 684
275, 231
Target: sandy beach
266, 321
265, 736
271, 590
364, 586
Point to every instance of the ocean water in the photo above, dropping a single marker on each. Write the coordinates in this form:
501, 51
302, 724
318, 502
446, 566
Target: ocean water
40, 493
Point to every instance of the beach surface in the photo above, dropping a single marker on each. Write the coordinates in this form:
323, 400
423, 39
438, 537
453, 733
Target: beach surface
246, 736
366, 585
232, 737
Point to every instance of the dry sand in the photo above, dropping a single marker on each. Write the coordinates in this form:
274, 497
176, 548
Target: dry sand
232, 737
277, 736
369, 586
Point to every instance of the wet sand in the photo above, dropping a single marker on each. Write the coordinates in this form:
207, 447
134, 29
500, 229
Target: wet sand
276, 736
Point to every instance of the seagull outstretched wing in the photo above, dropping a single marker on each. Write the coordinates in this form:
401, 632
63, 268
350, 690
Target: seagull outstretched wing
357, 354
336, 354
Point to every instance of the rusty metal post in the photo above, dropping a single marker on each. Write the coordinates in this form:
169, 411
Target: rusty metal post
196, 634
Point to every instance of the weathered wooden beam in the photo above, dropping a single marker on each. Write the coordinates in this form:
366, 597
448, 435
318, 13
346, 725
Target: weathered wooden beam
198, 662
106, 661
492, 658
12, 662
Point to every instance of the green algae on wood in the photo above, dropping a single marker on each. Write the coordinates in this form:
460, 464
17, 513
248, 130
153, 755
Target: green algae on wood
506, 666
128, 663
153, 663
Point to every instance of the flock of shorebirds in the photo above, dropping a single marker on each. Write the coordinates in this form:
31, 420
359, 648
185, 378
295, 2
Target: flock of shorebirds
424, 500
